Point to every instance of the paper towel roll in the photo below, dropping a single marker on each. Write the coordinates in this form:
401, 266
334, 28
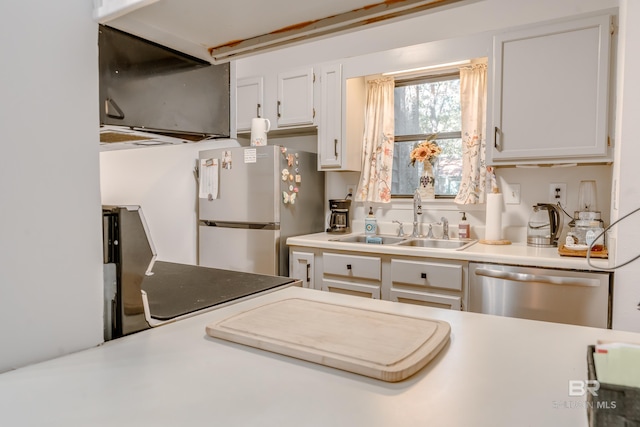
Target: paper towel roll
493, 227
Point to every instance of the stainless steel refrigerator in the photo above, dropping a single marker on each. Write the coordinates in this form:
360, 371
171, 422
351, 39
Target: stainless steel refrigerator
250, 200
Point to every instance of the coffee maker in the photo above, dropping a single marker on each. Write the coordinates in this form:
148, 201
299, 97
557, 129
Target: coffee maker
339, 219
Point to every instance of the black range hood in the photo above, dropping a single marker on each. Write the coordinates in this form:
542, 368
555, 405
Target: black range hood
150, 87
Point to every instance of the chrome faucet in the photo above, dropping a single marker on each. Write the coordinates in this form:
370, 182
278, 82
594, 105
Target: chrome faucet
445, 228
400, 229
417, 210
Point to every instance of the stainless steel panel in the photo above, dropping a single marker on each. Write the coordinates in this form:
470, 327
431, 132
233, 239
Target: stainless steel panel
251, 250
563, 296
248, 189
252, 192
129, 245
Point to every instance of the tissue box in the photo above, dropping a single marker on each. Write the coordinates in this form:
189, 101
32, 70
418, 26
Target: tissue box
614, 405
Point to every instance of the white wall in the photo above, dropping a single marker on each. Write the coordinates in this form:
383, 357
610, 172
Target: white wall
50, 221
627, 195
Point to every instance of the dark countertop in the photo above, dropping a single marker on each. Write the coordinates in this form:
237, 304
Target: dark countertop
177, 289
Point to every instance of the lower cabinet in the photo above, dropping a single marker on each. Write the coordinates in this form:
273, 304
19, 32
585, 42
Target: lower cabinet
436, 283
352, 274
431, 282
301, 267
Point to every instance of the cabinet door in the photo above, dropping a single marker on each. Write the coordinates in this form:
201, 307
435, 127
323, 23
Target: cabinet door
249, 101
330, 144
295, 98
550, 93
301, 268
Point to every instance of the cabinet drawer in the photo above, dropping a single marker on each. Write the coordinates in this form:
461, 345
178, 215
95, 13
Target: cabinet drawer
357, 289
363, 267
428, 274
450, 302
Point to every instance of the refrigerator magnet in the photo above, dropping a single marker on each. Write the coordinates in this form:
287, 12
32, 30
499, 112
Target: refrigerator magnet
298, 179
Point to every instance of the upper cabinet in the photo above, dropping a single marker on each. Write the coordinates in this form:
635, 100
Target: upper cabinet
550, 94
250, 101
285, 98
295, 98
341, 122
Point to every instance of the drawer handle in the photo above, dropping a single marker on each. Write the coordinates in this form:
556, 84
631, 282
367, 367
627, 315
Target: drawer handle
348, 266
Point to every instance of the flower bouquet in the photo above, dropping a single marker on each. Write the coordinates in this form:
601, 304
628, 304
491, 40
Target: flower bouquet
425, 152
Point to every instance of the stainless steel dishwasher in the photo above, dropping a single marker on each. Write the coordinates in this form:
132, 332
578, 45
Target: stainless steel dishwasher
562, 296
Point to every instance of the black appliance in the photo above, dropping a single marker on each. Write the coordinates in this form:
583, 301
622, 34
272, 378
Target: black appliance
141, 293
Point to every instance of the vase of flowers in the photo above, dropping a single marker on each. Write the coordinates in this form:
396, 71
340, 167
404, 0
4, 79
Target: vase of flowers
426, 152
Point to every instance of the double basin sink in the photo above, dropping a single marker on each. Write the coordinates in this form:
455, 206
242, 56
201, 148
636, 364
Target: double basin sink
407, 241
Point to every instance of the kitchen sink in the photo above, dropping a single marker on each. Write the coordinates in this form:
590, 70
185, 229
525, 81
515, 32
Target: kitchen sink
361, 238
438, 243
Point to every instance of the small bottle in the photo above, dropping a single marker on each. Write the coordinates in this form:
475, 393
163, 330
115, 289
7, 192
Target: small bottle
370, 223
464, 229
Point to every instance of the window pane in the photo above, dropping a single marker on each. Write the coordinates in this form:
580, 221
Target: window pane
423, 107
447, 168
429, 107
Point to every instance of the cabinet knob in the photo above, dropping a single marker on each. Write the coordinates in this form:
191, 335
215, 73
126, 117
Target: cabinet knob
348, 266
423, 275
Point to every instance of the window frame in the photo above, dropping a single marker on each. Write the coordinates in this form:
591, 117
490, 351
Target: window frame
414, 80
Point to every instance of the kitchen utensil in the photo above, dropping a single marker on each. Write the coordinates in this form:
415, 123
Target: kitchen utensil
386, 346
259, 129
544, 226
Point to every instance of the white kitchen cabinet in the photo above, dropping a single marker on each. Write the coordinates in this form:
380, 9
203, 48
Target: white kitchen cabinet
285, 98
436, 283
249, 101
294, 106
550, 93
352, 274
341, 122
301, 267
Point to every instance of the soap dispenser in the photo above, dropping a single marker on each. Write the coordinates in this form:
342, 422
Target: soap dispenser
464, 229
370, 223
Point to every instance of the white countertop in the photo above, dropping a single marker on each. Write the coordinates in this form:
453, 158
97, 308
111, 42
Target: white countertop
515, 253
495, 371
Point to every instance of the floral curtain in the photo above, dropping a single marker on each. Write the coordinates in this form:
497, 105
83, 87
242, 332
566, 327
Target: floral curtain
473, 103
377, 148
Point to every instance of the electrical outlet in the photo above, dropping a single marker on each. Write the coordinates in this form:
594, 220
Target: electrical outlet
512, 194
350, 189
558, 193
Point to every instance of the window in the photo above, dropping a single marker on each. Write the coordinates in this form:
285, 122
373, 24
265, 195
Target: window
423, 106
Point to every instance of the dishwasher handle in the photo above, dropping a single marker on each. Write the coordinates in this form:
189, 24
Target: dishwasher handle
526, 277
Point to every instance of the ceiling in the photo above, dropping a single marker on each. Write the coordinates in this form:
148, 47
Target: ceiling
219, 31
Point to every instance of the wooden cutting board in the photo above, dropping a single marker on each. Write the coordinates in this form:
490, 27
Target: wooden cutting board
385, 346
562, 250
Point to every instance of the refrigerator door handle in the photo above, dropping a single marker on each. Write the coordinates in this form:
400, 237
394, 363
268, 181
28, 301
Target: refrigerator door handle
244, 225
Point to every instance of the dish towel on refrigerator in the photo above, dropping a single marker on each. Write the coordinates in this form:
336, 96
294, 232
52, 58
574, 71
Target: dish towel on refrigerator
208, 179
